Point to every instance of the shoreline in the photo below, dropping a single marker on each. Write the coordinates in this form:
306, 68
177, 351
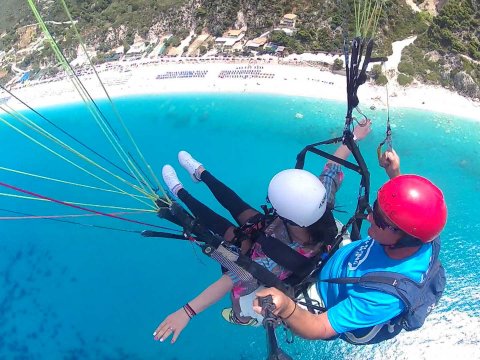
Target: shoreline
123, 79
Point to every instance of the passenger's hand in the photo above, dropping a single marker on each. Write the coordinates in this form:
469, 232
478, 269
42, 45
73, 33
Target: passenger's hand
282, 302
391, 162
362, 129
173, 324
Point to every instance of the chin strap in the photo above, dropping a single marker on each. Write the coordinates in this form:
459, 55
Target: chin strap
407, 241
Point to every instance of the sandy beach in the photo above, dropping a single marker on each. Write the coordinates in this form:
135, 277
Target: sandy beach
181, 75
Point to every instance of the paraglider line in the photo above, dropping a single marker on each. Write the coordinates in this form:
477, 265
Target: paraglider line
76, 206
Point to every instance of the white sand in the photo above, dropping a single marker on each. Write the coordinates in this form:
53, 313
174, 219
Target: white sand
294, 80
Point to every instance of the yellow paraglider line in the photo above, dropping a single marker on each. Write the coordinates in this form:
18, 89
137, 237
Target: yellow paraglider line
115, 110
30, 124
102, 122
68, 182
69, 161
76, 203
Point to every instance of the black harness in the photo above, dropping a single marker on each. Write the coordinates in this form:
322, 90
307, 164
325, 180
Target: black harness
277, 250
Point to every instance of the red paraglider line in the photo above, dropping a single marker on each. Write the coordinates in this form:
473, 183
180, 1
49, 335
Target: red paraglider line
76, 206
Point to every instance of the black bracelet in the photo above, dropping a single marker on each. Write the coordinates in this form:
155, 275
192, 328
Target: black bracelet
186, 311
192, 312
295, 308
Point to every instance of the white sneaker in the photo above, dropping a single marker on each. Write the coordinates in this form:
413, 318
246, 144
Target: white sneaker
189, 164
171, 180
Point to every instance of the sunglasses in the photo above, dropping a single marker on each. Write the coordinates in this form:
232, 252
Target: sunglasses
380, 220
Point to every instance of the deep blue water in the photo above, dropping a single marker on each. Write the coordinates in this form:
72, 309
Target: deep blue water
73, 292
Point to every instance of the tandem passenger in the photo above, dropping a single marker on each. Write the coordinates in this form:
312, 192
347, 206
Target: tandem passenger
303, 221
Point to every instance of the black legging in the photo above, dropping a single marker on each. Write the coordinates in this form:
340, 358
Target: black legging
224, 195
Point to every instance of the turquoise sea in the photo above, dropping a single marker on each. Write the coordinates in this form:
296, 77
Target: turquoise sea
76, 292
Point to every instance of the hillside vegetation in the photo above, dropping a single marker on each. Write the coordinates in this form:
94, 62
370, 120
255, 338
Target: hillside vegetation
13, 13
446, 52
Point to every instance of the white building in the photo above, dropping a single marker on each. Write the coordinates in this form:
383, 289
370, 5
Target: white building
288, 24
256, 43
227, 42
289, 21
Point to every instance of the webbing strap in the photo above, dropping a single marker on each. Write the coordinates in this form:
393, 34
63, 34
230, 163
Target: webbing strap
376, 280
356, 70
190, 225
162, 234
312, 148
365, 278
262, 274
285, 256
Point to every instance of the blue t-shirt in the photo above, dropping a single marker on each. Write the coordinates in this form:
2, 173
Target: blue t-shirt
353, 307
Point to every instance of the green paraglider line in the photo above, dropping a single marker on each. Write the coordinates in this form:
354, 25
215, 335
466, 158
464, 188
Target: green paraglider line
66, 132
76, 206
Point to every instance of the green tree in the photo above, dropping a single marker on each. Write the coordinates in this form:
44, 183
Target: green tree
404, 80
406, 68
303, 36
337, 64
126, 47
27, 61
381, 80
200, 12
377, 75
376, 71
279, 37
173, 41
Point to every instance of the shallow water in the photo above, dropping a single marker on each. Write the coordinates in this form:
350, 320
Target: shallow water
76, 292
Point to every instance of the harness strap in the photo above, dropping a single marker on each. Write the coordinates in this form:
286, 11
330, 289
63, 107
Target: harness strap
263, 275
252, 227
407, 241
352, 74
362, 77
364, 194
376, 280
213, 242
387, 277
285, 256
356, 70
162, 234
351, 338
312, 148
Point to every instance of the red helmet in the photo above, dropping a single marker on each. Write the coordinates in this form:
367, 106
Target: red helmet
415, 205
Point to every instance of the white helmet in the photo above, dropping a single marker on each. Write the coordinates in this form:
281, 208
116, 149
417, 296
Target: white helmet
298, 196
